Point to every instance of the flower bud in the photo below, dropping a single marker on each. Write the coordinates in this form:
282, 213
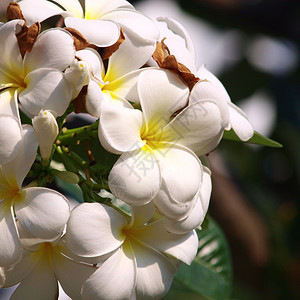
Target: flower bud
78, 74
46, 128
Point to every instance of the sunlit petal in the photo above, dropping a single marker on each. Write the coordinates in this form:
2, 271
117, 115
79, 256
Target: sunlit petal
135, 178
102, 33
120, 269
10, 245
161, 94
10, 138
94, 229
125, 134
46, 89
44, 53
43, 212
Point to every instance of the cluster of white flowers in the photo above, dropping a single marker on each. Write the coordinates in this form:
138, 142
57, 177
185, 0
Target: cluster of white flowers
155, 110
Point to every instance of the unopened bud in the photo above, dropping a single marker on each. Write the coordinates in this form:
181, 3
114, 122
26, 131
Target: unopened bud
78, 74
66, 176
46, 128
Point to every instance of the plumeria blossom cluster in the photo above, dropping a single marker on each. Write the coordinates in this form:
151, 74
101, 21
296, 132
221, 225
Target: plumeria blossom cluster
154, 111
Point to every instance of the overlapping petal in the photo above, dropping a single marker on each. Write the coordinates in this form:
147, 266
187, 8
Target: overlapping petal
44, 53
135, 178
43, 212
102, 33
182, 177
46, 288
142, 27
161, 94
119, 268
95, 9
46, 89
125, 134
240, 123
11, 249
38, 10
94, 230
17, 169
9, 102
70, 274
154, 272
197, 127
10, 138
155, 235
11, 60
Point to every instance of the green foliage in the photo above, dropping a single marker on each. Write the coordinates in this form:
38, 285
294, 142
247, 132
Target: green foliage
210, 274
257, 139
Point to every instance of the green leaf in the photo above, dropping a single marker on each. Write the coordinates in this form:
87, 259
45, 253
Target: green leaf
257, 139
210, 274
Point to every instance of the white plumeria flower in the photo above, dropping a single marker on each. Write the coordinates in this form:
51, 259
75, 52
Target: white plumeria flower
46, 128
143, 255
158, 162
179, 43
36, 79
45, 263
117, 83
43, 212
98, 23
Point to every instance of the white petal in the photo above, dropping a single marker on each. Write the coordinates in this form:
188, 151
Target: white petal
204, 74
94, 229
198, 212
205, 90
129, 57
182, 177
123, 135
46, 89
101, 33
64, 267
11, 60
10, 245
240, 123
38, 10
135, 178
135, 22
10, 137
155, 272
161, 94
53, 48
178, 29
94, 98
72, 6
9, 102
46, 289
18, 168
197, 127
181, 246
126, 86
94, 9
16, 273
43, 212
115, 278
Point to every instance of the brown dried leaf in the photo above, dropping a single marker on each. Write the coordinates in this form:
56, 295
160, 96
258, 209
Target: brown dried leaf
80, 41
14, 12
166, 61
80, 101
108, 51
27, 37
